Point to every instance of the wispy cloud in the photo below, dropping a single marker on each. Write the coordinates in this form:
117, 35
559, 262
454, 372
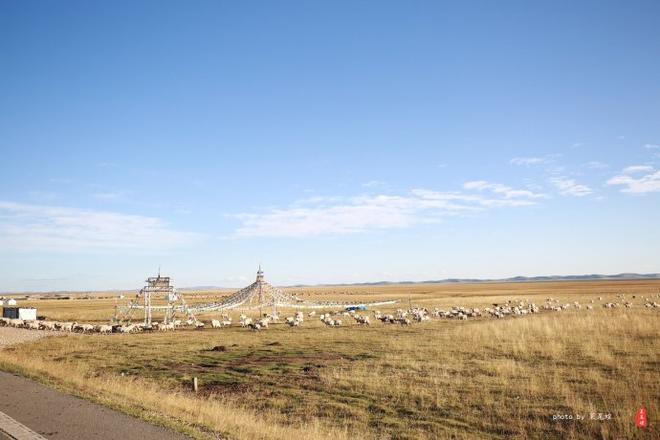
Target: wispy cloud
378, 212
636, 169
596, 165
53, 228
61, 180
505, 191
527, 161
110, 195
374, 184
637, 179
569, 187
651, 146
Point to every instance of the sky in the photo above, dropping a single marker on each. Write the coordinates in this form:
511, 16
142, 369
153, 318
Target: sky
332, 142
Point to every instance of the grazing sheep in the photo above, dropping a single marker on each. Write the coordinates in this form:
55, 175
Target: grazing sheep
104, 329
254, 326
166, 327
292, 322
215, 323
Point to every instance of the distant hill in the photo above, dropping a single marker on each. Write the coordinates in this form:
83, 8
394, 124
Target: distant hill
517, 279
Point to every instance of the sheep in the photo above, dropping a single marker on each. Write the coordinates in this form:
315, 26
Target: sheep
245, 321
166, 327
292, 322
86, 328
254, 326
199, 325
127, 328
104, 329
215, 323
47, 325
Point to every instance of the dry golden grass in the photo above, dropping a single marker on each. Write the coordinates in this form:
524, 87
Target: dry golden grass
442, 379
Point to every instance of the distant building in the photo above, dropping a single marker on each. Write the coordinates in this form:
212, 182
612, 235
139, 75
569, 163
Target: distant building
11, 302
24, 313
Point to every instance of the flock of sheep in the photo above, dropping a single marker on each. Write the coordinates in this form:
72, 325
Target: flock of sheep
334, 319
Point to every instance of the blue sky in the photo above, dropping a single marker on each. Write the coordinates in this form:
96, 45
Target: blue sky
332, 142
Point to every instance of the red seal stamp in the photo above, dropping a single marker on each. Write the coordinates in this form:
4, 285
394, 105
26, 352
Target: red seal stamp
640, 418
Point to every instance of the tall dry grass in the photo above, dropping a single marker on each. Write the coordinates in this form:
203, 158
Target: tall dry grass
443, 379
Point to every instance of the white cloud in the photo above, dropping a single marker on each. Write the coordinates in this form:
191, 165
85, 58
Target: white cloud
53, 228
651, 146
636, 169
569, 187
526, 161
503, 190
373, 184
110, 195
379, 212
595, 165
648, 182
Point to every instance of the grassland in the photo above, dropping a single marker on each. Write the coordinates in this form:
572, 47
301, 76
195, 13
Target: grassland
442, 379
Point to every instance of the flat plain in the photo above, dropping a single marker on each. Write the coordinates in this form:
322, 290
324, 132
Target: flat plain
517, 377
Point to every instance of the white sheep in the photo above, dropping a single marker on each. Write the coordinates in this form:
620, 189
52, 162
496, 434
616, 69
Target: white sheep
105, 329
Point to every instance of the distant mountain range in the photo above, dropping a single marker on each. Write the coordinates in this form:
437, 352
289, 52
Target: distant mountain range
518, 279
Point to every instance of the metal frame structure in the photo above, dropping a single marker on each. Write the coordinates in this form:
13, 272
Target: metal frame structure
258, 295
262, 294
155, 287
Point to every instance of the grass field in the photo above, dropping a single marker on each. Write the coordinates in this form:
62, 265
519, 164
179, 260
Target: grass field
481, 378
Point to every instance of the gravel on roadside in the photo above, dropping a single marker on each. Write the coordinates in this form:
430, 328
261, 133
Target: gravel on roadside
11, 336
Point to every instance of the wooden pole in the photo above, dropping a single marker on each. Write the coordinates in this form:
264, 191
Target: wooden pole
195, 385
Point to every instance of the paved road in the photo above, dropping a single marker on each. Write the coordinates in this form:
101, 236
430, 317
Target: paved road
55, 415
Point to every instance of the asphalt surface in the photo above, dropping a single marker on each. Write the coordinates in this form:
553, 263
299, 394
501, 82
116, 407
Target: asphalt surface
55, 415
